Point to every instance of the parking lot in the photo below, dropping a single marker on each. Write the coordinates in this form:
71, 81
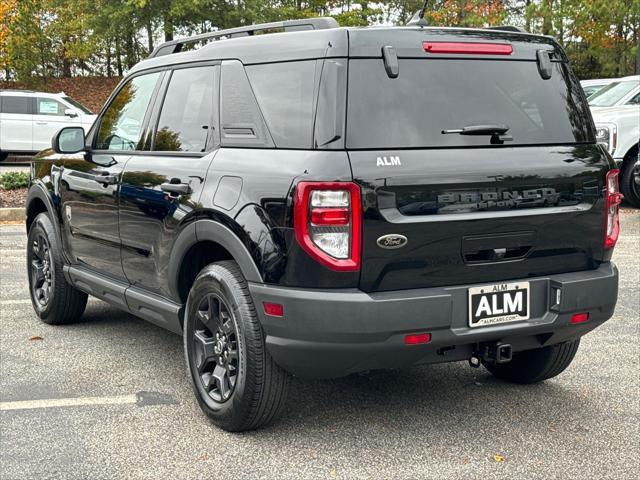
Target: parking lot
109, 398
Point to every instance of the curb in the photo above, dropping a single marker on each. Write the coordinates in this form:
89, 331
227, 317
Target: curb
12, 214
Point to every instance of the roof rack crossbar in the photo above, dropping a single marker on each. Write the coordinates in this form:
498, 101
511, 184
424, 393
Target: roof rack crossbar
175, 46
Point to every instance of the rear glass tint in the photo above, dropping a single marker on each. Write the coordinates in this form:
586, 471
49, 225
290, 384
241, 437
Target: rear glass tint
186, 118
285, 94
15, 104
430, 96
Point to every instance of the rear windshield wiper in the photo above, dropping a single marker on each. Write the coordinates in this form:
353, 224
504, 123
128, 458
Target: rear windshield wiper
497, 132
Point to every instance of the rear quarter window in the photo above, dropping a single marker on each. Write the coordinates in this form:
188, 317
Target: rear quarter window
433, 95
284, 92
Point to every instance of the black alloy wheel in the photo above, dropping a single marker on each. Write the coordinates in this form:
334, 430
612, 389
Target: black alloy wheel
41, 264
215, 342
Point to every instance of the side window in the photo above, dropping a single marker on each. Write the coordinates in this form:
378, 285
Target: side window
15, 104
285, 94
635, 100
186, 118
241, 122
121, 123
49, 106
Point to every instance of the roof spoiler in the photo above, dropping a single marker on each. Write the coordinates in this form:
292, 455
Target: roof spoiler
175, 46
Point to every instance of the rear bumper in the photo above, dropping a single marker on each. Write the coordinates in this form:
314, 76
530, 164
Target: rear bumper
332, 333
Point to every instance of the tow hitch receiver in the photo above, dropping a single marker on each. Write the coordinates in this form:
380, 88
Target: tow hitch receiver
495, 353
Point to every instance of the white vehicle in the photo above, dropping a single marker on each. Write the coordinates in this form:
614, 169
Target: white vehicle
618, 128
595, 84
28, 120
624, 91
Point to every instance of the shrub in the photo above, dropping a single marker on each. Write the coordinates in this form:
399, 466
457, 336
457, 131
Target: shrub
14, 180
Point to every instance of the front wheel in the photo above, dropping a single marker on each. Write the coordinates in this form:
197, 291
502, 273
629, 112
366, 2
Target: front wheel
54, 300
533, 366
237, 383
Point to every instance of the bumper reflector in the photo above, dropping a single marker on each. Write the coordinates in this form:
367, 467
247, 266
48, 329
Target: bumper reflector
579, 318
417, 338
273, 309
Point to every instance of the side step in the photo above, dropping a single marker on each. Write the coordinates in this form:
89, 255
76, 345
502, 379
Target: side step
141, 303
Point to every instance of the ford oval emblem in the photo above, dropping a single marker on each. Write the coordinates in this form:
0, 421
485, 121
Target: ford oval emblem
391, 241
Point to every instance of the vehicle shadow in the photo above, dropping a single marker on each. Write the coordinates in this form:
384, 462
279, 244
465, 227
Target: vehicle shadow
434, 398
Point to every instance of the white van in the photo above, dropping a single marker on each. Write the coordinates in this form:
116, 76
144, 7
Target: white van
28, 120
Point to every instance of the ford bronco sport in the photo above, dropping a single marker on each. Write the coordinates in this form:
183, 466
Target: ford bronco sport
321, 201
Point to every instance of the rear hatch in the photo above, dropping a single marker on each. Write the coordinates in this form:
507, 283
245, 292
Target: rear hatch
444, 208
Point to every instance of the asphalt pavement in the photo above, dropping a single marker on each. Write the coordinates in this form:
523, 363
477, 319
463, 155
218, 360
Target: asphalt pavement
109, 398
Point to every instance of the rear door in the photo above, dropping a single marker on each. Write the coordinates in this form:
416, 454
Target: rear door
16, 123
160, 187
465, 209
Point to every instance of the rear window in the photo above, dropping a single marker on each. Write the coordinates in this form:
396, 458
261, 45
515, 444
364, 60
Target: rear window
430, 96
15, 104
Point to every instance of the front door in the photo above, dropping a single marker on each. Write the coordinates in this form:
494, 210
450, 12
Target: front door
48, 118
161, 188
90, 183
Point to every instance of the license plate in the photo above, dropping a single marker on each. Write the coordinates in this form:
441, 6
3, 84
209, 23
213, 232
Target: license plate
500, 303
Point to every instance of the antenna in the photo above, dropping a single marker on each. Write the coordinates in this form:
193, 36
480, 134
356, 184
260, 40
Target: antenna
418, 18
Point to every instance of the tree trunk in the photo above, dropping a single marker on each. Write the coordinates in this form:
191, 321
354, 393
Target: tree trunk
149, 35
118, 58
168, 28
108, 60
547, 23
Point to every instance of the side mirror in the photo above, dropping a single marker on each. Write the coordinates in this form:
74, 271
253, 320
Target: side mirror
68, 140
70, 112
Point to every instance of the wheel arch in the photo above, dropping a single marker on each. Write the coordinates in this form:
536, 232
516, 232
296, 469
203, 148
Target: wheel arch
39, 201
203, 242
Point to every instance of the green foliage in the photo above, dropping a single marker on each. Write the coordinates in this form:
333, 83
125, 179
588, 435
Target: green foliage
40, 39
14, 180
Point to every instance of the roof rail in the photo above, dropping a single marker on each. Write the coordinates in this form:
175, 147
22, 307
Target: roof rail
175, 46
507, 28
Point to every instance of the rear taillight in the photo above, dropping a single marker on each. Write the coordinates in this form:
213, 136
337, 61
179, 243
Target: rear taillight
468, 48
613, 200
327, 223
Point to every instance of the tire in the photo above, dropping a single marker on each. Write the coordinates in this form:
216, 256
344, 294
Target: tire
54, 300
630, 189
242, 389
533, 366
3, 156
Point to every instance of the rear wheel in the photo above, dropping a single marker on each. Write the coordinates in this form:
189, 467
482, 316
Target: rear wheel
237, 383
534, 366
54, 300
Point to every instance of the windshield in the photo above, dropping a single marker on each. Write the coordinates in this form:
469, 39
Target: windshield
429, 96
78, 105
611, 94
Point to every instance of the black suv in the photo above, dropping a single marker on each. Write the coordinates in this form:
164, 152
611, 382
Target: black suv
321, 201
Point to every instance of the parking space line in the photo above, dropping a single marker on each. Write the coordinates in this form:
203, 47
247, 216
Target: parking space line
22, 301
68, 402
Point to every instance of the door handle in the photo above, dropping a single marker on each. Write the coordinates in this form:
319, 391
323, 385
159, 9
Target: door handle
106, 179
176, 188
41, 123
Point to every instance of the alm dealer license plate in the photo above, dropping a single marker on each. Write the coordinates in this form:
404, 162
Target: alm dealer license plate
500, 303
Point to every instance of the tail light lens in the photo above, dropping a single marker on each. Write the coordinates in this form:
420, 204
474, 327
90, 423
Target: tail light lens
327, 223
613, 200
